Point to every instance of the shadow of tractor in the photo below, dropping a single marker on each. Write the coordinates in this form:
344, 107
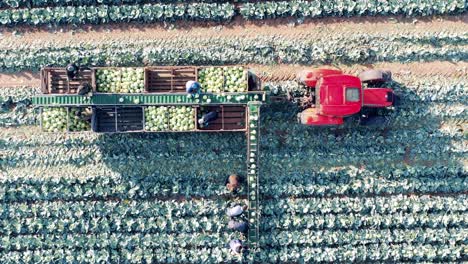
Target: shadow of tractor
292, 149
191, 163
187, 164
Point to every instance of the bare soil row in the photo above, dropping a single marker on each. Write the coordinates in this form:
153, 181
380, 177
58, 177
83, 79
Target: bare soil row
285, 72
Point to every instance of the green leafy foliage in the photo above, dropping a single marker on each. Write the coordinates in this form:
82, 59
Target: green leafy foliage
301, 8
392, 194
63, 12
15, 110
306, 49
147, 13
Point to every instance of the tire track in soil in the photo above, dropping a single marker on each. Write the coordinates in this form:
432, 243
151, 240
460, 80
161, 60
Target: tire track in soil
287, 72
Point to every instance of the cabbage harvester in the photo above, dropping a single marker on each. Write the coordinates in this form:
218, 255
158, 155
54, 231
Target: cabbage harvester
331, 97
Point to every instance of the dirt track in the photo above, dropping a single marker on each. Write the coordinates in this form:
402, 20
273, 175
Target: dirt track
281, 27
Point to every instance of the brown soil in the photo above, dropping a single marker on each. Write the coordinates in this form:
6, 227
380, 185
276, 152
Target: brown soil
282, 27
440, 68
288, 72
22, 79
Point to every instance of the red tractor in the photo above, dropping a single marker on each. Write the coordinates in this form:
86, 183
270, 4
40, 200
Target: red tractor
333, 95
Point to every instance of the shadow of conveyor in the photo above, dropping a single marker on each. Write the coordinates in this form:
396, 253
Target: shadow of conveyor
196, 164
186, 164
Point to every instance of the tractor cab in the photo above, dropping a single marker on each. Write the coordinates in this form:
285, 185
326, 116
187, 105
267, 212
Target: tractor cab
337, 95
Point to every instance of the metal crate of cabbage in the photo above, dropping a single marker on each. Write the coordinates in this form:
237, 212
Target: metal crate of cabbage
164, 79
118, 119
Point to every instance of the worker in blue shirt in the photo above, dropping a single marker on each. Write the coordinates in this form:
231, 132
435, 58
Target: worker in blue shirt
193, 87
240, 226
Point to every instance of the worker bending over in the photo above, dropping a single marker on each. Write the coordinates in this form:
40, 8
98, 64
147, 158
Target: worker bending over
240, 226
207, 118
237, 224
85, 114
85, 89
192, 88
236, 246
236, 210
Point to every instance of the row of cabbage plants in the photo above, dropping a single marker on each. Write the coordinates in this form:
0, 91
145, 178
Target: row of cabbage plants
117, 14
417, 180
103, 240
363, 221
21, 114
136, 255
365, 205
45, 3
433, 146
83, 225
111, 208
391, 253
263, 9
403, 252
368, 183
356, 48
147, 13
300, 8
329, 238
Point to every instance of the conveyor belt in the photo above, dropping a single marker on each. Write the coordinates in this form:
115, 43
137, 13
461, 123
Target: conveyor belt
253, 147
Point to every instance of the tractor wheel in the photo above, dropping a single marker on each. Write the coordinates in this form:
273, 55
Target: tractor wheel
373, 76
396, 99
387, 75
374, 121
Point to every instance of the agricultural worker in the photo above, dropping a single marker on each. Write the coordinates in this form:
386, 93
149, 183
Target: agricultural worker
85, 115
236, 246
236, 210
240, 226
85, 89
72, 70
193, 87
233, 182
207, 118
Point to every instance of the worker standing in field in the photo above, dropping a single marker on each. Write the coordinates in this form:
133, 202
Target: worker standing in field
193, 87
236, 210
233, 182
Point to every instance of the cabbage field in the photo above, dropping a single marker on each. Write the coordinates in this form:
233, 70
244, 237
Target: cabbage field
348, 194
